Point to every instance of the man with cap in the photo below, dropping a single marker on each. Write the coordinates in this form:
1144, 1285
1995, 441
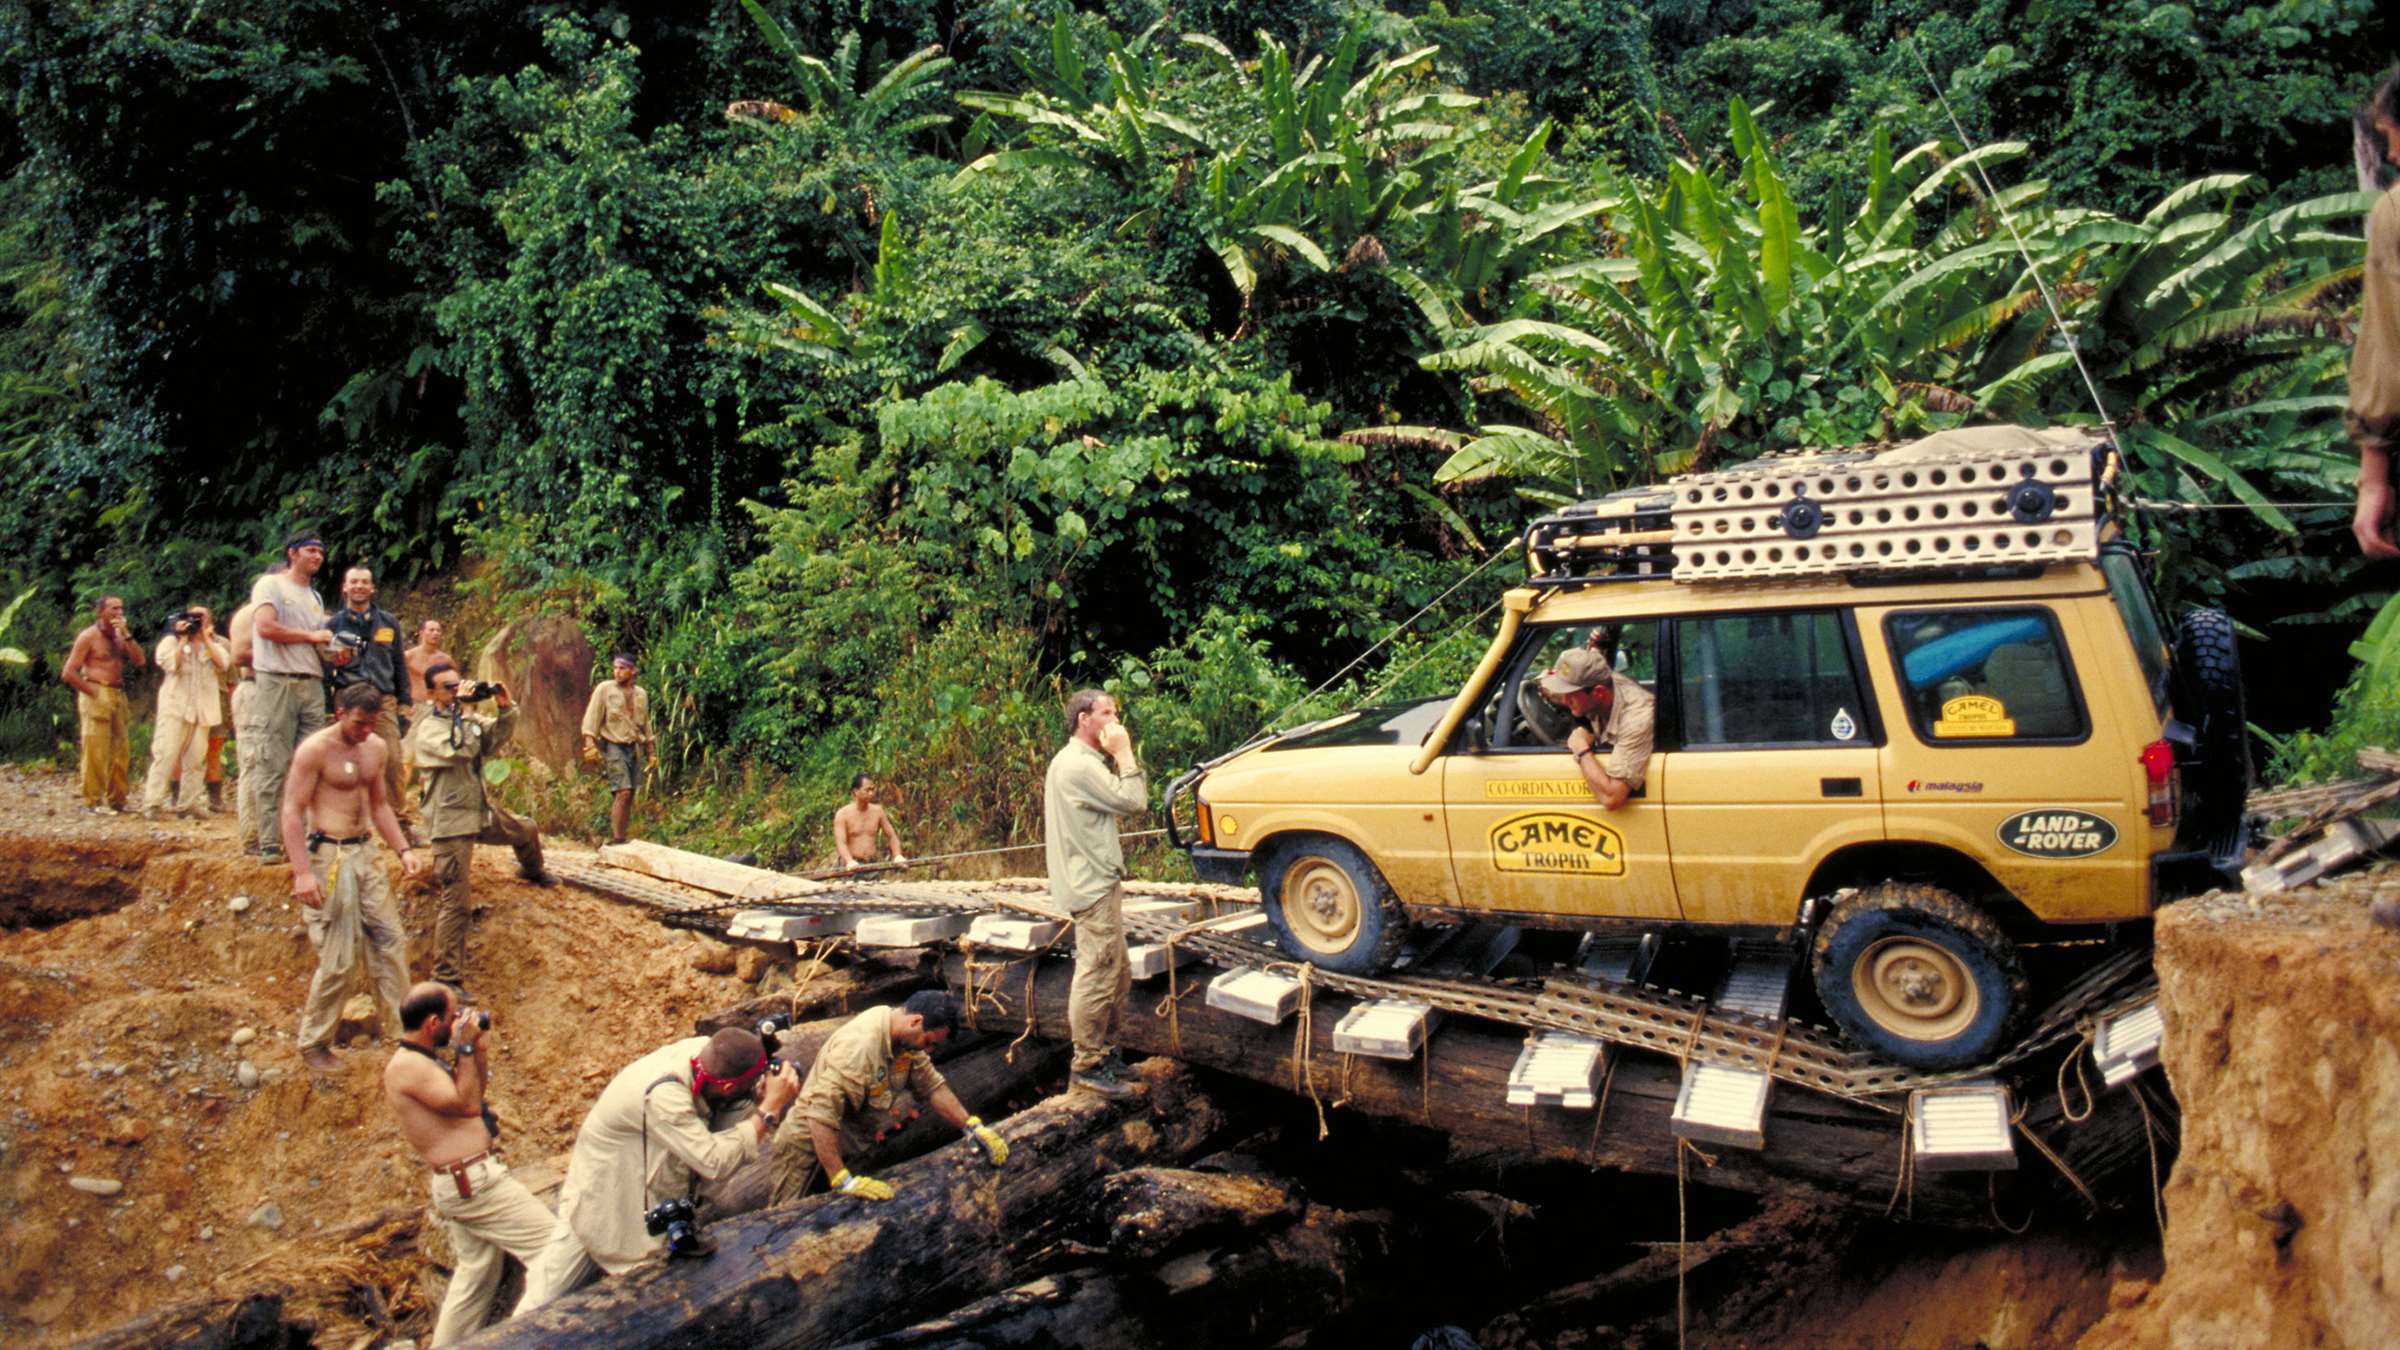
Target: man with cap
1609, 710
616, 732
677, 1118
289, 641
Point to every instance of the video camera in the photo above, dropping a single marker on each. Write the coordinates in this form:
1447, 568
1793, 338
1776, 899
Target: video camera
679, 1223
770, 1034
350, 642
183, 622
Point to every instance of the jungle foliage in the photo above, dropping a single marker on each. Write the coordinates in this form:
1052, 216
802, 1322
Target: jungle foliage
879, 370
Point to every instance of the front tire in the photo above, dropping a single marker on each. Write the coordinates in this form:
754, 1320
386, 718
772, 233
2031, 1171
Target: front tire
1919, 976
1331, 907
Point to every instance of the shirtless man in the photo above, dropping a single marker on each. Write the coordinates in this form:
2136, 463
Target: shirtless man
95, 670
441, 1114
421, 657
333, 796
856, 825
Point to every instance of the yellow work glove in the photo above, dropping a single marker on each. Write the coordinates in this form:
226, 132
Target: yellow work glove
865, 1188
990, 1138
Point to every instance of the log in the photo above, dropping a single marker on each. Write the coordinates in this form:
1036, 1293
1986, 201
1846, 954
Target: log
1259, 1293
1155, 1210
872, 980
706, 873
252, 1321
834, 1267
1818, 1146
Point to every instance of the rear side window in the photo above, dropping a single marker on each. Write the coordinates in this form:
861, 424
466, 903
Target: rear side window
2142, 623
1767, 679
1975, 676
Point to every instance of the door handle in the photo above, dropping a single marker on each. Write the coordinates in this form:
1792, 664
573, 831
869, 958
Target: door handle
1841, 787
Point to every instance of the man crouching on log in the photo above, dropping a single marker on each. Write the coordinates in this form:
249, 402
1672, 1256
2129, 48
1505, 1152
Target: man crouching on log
675, 1118
862, 1090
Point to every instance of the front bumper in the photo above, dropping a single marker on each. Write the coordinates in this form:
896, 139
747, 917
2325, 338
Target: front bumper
1226, 866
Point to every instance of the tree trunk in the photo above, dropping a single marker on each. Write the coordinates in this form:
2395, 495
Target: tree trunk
834, 1268
1155, 1210
833, 993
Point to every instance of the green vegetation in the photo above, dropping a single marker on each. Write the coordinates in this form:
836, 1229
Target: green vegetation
881, 371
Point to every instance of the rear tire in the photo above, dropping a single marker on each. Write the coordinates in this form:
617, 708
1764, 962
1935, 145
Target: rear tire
2208, 695
1330, 906
1915, 974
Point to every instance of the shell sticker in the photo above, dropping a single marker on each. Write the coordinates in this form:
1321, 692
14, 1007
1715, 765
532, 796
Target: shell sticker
1844, 728
1971, 715
1557, 843
2058, 832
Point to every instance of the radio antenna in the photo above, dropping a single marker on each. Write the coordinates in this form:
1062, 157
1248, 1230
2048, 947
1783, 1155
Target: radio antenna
1991, 194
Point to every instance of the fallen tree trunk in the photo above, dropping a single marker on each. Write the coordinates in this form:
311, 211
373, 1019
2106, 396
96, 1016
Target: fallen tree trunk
866, 981
1256, 1294
1817, 1146
1155, 1210
252, 1321
834, 1267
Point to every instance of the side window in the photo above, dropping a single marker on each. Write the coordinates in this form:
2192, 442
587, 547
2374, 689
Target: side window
1982, 675
1768, 679
2141, 620
1533, 722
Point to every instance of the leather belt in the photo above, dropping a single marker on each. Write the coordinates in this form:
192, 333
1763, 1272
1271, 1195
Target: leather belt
316, 840
457, 1172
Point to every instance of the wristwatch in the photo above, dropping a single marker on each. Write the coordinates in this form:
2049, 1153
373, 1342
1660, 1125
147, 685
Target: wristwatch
772, 1119
466, 1047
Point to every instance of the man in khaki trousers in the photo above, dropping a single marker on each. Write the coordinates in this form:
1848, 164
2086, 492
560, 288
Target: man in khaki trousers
1093, 782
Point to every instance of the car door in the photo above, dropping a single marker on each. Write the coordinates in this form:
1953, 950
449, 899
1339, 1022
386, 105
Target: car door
1777, 759
1526, 835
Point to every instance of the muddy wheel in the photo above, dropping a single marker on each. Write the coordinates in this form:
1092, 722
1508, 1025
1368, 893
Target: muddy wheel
1330, 906
1919, 976
2208, 694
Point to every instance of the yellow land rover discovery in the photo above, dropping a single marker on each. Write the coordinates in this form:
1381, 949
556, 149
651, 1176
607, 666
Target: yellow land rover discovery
1914, 708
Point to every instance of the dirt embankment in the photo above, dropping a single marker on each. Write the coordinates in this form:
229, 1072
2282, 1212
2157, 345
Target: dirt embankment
141, 1165
2283, 1046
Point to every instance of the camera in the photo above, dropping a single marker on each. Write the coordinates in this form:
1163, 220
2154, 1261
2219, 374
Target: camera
183, 623
482, 1016
476, 691
355, 642
677, 1222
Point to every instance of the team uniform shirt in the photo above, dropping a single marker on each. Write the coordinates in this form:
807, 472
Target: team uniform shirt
449, 753
859, 1079
606, 1192
1632, 721
618, 715
1082, 798
295, 606
376, 665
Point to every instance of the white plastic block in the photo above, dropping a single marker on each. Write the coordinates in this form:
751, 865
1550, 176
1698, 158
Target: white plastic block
1961, 1127
1013, 932
1723, 1105
1168, 911
897, 930
1759, 984
1387, 1028
1619, 958
2128, 1043
760, 925
1251, 927
1261, 996
1149, 959
1557, 1068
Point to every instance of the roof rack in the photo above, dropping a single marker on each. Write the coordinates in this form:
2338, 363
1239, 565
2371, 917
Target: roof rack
1966, 499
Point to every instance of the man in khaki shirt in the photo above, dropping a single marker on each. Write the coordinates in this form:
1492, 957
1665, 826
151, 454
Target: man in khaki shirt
1093, 781
1609, 710
862, 1090
2373, 414
448, 745
191, 702
616, 729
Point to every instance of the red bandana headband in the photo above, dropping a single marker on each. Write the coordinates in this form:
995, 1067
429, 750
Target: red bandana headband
703, 1080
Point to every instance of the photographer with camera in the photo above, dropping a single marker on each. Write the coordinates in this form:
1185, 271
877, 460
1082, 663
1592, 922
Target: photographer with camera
191, 703
448, 745
289, 648
95, 670
442, 1115
616, 733
863, 1088
373, 634
669, 1122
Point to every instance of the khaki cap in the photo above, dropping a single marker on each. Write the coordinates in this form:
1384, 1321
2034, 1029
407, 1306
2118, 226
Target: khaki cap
1577, 671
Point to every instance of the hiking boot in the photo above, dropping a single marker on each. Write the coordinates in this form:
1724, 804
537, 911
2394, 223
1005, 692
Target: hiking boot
1103, 1081
216, 799
1114, 1061
271, 857
538, 878
318, 1059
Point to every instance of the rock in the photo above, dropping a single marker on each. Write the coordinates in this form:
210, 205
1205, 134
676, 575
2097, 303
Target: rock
238, 903
246, 1073
208, 1232
173, 1273
749, 964
547, 665
714, 958
268, 1216
96, 1185
244, 1036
